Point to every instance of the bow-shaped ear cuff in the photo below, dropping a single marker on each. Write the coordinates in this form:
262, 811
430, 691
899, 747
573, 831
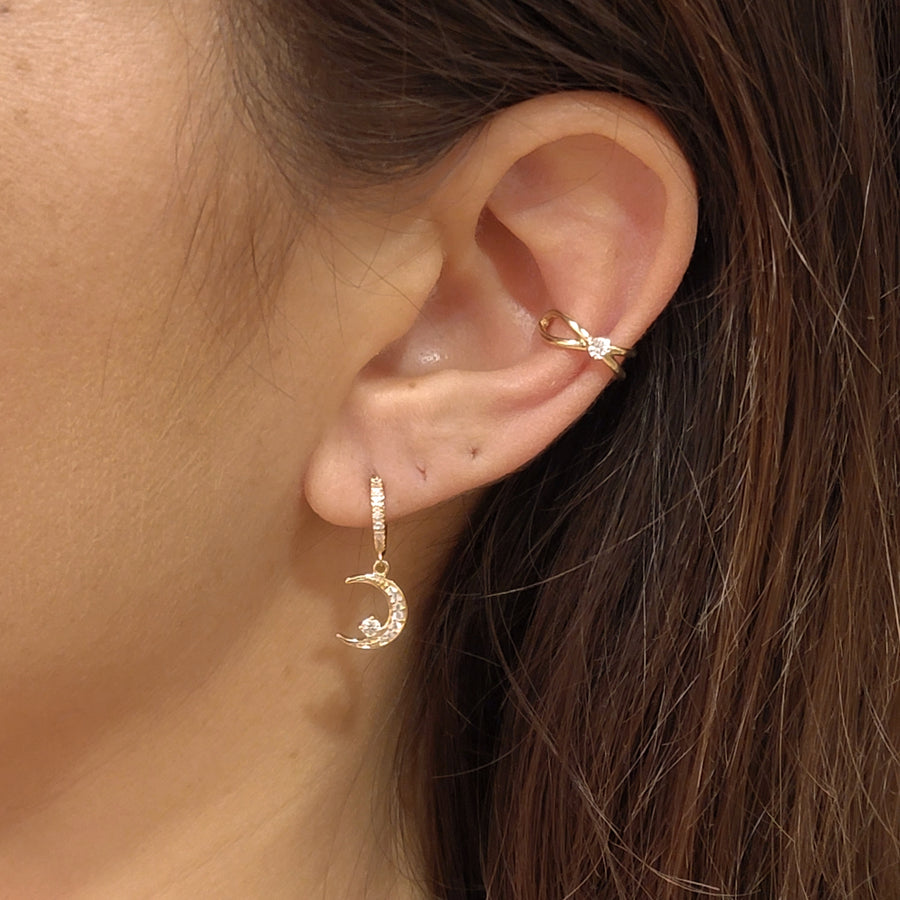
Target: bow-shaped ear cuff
599, 348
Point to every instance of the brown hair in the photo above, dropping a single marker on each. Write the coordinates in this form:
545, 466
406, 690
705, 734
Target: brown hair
666, 657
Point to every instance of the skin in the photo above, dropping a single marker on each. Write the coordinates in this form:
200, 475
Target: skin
187, 402
151, 460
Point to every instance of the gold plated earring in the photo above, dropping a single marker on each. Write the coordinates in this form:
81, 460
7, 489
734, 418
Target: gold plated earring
374, 633
599, 348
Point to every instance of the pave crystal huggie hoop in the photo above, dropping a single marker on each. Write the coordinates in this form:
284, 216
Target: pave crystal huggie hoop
376, 634
599, 348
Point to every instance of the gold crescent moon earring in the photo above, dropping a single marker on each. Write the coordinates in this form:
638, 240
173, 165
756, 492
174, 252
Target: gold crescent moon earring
599, 348
374, 633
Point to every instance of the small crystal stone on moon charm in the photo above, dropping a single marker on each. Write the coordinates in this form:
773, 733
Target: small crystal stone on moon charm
370, 627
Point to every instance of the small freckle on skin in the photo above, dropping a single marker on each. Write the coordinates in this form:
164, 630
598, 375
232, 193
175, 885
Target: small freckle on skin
473, 452
423, 472
5, 9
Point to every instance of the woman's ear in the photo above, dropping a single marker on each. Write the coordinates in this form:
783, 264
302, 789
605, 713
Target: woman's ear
579, 202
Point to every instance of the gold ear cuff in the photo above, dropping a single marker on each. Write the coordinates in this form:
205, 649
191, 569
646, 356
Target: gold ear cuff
599, 348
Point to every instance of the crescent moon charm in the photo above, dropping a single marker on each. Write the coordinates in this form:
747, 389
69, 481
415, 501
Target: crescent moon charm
374, 633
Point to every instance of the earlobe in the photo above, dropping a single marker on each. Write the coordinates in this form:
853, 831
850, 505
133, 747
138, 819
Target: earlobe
580, 203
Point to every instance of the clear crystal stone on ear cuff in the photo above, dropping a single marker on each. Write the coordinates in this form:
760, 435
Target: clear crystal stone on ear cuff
599, 347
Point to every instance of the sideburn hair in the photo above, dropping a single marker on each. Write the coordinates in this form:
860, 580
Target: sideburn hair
664, 661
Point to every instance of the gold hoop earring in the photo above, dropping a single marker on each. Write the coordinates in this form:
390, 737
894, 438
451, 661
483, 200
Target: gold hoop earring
374, 633
599, 348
